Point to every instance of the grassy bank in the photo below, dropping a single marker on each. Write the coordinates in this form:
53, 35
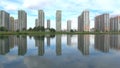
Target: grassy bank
37, 33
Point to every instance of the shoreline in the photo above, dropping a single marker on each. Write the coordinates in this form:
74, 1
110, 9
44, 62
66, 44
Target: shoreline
42, 33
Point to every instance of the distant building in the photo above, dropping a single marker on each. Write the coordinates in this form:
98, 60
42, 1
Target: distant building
68, 25
22, 20
115, 24
58, 20
92, 29
102, 23
48, 23
36, 23
11, 24
41, 18
4, 19
16, 25
83, 21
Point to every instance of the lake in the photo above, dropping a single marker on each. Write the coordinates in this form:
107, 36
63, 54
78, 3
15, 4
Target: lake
60, 51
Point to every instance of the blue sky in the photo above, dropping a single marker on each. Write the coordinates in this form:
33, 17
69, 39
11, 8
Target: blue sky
71, 9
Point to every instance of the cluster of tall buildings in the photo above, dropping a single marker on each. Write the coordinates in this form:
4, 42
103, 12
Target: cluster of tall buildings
12, 24
41, 20
6, 44
105, 23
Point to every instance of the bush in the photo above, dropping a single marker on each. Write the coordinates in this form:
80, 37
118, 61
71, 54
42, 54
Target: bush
3, 29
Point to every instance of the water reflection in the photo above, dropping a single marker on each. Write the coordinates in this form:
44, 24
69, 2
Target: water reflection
58, 45
51, 51
39, 42
4, 45
115, 42
22, 45
83, 44
102, 43
48, 41
69, 40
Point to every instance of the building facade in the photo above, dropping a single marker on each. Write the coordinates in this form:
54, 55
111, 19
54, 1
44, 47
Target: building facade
102, 23
36, 23
11, 24
4, 19
115, 24
16, 25
68, 25
48, 23
58, 20
22, 20
41, 18
83, 21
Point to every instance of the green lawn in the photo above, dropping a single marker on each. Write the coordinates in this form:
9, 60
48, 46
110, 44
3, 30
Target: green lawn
37, 33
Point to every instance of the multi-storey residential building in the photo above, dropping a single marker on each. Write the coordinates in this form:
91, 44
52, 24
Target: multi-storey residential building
68, 25
83, 21
22, 20
115, 24
48, 23
11, 24
102, 23
58, 20
4, 19
36, 23
41, 18
16, 25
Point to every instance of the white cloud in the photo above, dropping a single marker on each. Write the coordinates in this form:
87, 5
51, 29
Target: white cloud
7, 5
115, 13
36, 4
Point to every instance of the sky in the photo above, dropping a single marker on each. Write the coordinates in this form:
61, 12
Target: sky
71, 9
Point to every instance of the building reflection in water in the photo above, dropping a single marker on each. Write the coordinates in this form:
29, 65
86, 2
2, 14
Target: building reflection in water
39, 42
22, 45
4, 45
83, 44
9, 42
68, 40
48, 41
115, 42
58, 45
102, 42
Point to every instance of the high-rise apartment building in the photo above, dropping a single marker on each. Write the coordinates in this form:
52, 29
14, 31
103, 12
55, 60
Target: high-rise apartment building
11, 24
16, 25
36, 23
58, 20
4, 19
115, 24
68, 25
102, 23
48, 23
83, 21
22, 20
41, 18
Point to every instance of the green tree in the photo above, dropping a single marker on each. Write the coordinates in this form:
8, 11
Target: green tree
30, 29
3, 29
52, 30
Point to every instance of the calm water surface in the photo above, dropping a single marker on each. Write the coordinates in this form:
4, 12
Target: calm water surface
60, 51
